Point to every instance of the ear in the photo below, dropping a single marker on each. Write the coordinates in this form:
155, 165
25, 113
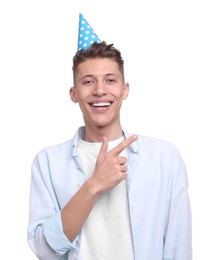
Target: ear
72, 94
126, 90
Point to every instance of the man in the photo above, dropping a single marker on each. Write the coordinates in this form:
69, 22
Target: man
108, 194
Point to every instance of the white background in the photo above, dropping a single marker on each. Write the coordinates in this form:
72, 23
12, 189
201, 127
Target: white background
171, 52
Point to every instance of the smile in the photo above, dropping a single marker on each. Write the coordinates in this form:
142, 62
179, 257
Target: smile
101, 104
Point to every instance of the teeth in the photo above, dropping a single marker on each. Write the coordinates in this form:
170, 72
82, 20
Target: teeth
103, 104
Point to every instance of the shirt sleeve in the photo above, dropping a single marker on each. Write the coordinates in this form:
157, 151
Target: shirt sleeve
178, 235
45, 232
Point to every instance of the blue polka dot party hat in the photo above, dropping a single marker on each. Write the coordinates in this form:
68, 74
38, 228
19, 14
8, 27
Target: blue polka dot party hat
86, 35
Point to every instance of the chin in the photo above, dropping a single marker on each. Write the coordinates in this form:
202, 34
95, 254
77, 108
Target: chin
102, 124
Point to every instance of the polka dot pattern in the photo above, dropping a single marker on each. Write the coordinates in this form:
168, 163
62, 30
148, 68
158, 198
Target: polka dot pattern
86, 35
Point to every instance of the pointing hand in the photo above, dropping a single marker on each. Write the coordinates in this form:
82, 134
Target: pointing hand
111, 168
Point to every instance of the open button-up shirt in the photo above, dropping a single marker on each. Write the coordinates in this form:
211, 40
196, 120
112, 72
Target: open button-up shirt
157, 187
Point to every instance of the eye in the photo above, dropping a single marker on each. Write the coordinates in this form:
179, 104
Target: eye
88, 82
111, 81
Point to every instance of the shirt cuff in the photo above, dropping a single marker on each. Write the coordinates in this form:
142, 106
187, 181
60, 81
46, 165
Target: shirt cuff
55, 237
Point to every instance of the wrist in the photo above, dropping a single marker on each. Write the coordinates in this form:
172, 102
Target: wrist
93, 187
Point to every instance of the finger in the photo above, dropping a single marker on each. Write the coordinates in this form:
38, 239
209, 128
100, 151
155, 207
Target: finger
125, 175
121, 146
122, 160
104, 147
123, 168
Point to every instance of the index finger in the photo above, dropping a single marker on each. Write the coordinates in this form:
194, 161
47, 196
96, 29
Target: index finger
124, 144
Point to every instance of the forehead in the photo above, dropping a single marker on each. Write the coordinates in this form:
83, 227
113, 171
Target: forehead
98, 66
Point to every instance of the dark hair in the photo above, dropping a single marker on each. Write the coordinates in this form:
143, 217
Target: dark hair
98, 50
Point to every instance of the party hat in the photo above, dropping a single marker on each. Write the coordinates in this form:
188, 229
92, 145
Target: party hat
86, 35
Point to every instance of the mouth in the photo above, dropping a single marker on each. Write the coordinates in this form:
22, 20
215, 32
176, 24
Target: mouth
101, 104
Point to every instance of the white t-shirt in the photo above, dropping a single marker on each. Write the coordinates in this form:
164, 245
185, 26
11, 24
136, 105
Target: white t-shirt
106, 234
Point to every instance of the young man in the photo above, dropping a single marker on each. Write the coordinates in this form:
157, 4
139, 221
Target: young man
108, 194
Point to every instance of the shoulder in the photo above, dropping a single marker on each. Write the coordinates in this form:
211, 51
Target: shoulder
158, 150
55, 150
151, 145
149, 141
155, 143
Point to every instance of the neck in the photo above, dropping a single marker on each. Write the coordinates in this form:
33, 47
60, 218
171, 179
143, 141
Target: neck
96, 134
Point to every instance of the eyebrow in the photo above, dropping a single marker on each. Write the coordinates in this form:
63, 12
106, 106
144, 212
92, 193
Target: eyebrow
93, 76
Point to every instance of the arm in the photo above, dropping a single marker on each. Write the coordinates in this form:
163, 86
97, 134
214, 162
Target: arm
110, 170
178, 235
51, 231
45, 235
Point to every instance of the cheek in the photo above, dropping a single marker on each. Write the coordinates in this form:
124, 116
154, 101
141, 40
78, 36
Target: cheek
78, 96
81, 98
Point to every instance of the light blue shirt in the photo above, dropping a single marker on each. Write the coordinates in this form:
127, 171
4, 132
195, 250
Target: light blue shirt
157, 188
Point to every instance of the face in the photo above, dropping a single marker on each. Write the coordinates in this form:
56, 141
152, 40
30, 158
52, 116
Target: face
99, 89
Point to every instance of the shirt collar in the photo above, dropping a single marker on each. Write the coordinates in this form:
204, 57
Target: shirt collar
80, 133
133, 146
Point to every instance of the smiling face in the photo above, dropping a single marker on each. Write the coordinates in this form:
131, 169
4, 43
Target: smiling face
99, 89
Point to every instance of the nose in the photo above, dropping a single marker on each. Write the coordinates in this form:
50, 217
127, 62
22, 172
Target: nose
99, 89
